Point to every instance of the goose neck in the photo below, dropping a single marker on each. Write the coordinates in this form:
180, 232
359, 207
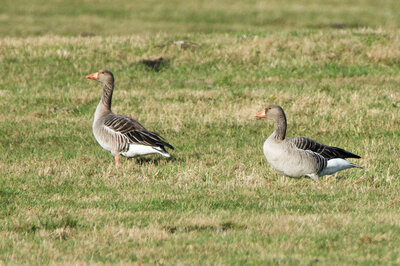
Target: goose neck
108, 88
280, 128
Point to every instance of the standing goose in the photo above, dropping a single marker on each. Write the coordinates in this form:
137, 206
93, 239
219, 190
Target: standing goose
119, 134
299, 156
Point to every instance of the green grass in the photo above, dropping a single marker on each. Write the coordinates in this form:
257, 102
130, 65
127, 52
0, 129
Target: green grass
217, 200
122, 17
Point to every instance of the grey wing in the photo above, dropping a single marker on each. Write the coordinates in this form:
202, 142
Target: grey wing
134, 131
327, 152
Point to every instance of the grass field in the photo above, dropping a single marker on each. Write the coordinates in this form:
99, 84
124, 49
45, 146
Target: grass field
334, 67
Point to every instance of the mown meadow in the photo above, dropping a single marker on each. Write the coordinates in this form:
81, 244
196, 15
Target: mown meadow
334, 66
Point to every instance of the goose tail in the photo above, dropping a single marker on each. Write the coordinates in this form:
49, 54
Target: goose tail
162, 151
336, 165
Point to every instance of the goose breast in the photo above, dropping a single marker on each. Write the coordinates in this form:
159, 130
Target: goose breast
288, 160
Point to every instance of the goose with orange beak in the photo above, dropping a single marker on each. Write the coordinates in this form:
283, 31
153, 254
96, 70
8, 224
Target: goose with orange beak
118, 134
296, 157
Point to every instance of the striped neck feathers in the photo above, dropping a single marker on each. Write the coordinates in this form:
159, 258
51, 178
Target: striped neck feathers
280, 127
108, 88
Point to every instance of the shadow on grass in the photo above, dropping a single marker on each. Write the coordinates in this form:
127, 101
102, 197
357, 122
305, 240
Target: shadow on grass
156, 65
156, 160
223, 227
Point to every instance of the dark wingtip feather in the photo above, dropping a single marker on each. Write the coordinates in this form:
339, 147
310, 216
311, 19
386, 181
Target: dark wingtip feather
348, 154
169, 145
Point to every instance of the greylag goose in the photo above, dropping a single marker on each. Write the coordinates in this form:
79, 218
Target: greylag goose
299, 156
119, 134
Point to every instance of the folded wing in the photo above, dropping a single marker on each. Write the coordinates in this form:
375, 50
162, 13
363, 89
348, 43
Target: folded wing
327, 152
134, 131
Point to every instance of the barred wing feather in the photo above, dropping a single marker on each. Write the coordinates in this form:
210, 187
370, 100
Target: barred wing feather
327, 152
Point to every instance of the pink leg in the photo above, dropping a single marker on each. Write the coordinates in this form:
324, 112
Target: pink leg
314, 177
117, 161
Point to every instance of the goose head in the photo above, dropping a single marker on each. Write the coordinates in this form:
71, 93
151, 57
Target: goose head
103, 76
272, 112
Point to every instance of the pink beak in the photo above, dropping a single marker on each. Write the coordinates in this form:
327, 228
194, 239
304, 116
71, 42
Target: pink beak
261, 114
94, 76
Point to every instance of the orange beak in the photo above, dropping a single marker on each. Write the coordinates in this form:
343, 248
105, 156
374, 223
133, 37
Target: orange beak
94, 76
261, 114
